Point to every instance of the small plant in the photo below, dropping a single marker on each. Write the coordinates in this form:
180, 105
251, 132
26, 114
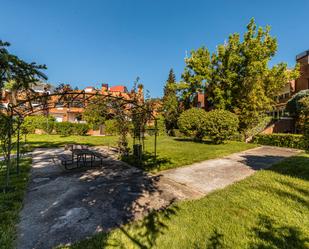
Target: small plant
221, 125
192, 123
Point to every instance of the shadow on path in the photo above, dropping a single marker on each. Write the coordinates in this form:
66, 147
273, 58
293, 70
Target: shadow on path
64, 207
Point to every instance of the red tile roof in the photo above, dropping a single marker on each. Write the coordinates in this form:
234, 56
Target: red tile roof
122, 89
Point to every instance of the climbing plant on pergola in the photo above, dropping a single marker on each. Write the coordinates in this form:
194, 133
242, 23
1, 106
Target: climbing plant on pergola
130, 110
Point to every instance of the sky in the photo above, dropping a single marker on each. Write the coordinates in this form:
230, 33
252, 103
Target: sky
87, 43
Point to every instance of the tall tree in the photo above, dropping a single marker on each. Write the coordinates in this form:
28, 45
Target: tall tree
195, 76
237, 77
16, 75
170, 103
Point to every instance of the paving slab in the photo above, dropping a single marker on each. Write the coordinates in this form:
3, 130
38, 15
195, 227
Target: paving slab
63, 207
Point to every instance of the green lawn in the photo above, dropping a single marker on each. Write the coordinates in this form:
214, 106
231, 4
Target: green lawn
11, 203
269, 210
172, 152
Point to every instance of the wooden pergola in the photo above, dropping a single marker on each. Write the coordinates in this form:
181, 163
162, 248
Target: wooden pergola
46, 101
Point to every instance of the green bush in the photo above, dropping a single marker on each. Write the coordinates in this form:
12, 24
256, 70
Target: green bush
221, 125
111, 127
192, 123
281, 140
80, 129
262, 123
294, 106
67, 129
45, 123
64, 128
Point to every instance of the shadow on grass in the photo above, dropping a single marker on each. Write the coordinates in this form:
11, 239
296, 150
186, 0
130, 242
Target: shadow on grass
49, 144
295, 166
215, 241
192, 140
271, 235
143, 235
149, 161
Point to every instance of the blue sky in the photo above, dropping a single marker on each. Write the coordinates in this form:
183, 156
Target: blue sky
86, 43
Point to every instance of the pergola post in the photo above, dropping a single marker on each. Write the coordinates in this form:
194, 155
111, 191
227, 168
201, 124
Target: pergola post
18, 147
155, 145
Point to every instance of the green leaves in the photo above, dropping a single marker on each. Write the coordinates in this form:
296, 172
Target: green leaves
220, 125
192, 123
17, 71
170, 106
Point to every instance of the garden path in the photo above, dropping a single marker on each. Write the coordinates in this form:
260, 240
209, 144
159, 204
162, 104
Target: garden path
64, 207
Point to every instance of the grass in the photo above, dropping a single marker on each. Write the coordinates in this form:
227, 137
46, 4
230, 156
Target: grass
11, 203
269, 210
172, 152
50, 141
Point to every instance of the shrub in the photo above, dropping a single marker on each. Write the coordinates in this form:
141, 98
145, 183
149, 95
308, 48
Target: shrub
64, 128
294, 106
80, 129
111, 127
192, 123
262, 123
281, 140
161, 125
221, 125
45, 123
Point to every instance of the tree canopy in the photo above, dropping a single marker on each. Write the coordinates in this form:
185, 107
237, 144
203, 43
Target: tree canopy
237, 76
17, 74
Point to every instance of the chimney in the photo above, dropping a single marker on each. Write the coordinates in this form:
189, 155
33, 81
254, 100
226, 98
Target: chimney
104, 87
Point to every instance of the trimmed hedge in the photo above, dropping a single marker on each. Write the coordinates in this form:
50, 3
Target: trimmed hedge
67, 128
281, 140
221, 125
192, 123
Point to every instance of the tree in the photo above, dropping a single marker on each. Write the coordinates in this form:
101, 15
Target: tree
62, 88
195, 76
241, 80
96, 112
170, 104
16, 74
237, 76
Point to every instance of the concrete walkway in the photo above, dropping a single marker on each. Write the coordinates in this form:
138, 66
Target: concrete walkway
64, 207
210, 175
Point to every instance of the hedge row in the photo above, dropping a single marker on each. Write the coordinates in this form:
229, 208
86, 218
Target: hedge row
67, 128
50, 126
281, 140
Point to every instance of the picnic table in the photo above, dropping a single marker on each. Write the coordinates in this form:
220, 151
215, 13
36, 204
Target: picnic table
81, 156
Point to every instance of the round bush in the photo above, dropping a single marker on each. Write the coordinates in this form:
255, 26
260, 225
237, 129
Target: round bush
192, 123
221, 125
